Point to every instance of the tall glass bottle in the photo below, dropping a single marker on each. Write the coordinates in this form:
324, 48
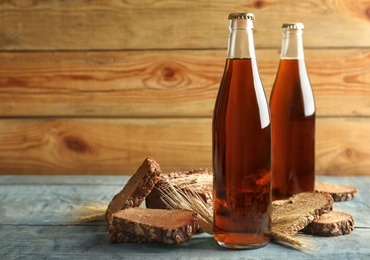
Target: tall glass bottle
292, 109
241, 145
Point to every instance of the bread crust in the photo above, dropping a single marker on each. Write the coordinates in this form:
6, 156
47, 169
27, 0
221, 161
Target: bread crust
199, 180
294, 214
128, 229
137, 188
334, 223
337, 191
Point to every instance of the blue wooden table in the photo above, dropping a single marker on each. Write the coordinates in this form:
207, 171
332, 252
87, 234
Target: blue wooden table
35, 223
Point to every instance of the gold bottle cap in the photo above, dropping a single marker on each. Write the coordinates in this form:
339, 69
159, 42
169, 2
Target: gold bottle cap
247, 16
296, 26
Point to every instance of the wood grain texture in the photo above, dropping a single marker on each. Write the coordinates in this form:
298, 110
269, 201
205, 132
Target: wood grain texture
101, 146
163, 83
94, 87
36, 216
343, 146
118, 146
138, 83
163, 24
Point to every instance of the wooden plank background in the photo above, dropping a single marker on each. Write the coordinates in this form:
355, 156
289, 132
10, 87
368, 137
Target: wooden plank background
94, 87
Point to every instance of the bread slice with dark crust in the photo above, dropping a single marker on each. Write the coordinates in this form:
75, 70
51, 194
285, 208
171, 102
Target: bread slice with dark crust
337, 191
198, 180
334, 223
137, 188
139, 225
294, 214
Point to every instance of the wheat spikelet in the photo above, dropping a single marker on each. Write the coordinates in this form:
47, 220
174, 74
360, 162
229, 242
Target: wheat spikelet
187, 199
190, 200
90, 213
286, 239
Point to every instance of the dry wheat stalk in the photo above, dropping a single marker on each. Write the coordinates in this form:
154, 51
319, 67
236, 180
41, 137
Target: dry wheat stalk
90, 213
185, 199
190, 200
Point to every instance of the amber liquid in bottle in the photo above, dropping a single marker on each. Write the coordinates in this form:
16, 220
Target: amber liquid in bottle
292, 111
241, 158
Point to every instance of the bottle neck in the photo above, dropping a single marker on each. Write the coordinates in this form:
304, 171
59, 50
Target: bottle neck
241, 43
292, 45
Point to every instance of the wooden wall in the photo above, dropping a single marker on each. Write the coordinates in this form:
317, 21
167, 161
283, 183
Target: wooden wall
94, 87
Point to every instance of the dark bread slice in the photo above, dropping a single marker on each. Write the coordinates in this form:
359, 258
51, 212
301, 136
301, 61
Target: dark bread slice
139, 225
294, 214
334, 223
137, 188
198, 180
337, 191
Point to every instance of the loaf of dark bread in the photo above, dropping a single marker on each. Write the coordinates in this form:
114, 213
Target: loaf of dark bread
334, 223
137, 188
198, 180
337, 191
294, 214
139, 225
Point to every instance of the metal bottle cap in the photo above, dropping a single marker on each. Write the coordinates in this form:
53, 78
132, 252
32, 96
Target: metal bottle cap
297, 26
247, 16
